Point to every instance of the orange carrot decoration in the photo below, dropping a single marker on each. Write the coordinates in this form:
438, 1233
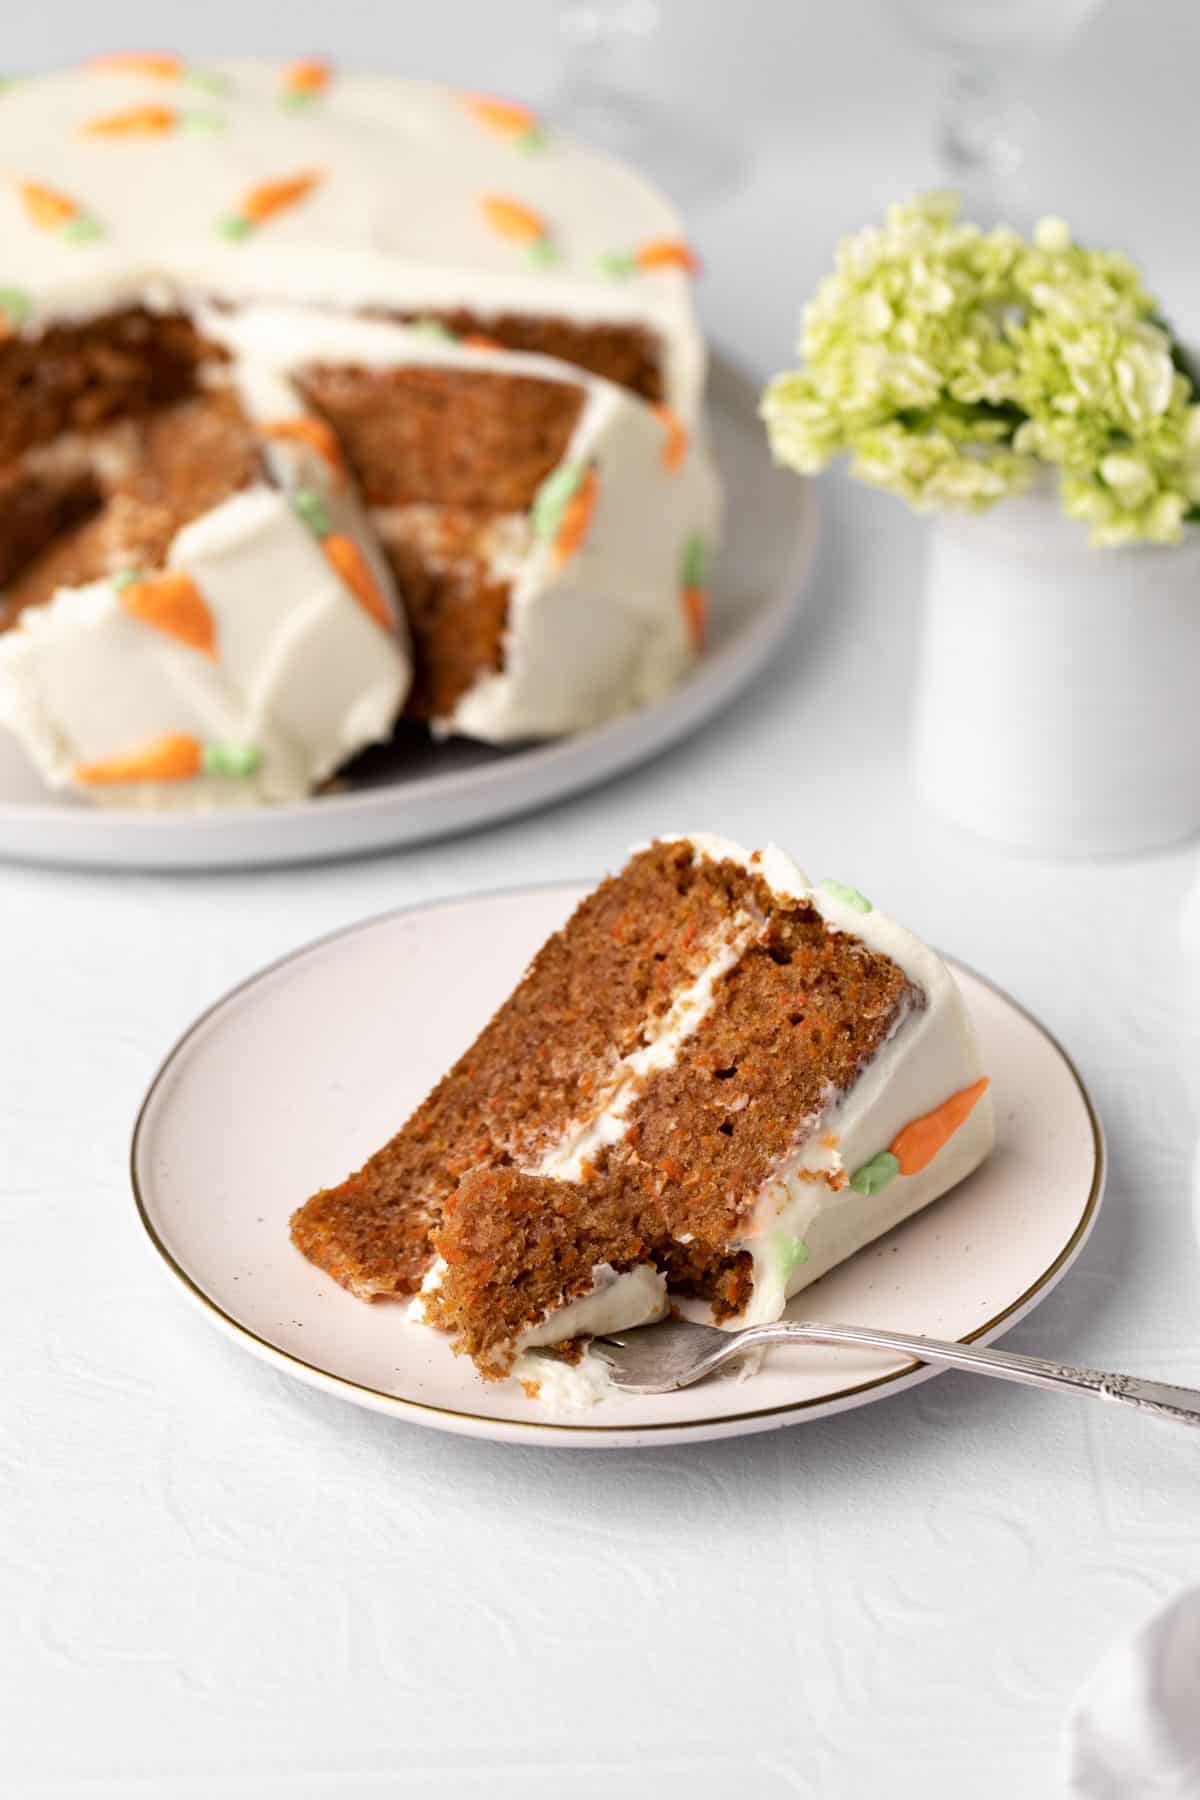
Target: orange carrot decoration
695, 594
667, 253
345, 556
576, 518
315, 434
695, 612
513, 219
916, 1146
675, 447
508, 119
262, 203
173, 604
158, 64
305, 81
52, 211
175, 757
139, 121
271, 197
46, 207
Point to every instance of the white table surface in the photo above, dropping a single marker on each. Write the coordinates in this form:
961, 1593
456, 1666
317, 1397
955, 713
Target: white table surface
215, 1582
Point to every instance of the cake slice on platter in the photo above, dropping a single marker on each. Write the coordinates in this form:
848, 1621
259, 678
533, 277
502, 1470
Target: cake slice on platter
716, 1081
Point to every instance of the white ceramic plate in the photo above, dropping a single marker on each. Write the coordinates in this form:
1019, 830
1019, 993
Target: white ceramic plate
295, 1077
422, 790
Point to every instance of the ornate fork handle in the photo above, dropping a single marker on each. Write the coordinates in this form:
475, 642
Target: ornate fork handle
1158, 1397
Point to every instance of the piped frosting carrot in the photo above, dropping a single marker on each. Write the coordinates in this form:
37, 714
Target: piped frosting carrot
507, 118
919, 1142
136, 121
175, 757
667, 253
519, 223
694, 594
577, 518
305, 81
315, 434
172, 603
675, 443
160, 65
345, 556
269, 199
53, 211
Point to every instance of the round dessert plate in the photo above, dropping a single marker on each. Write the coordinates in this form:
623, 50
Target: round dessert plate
416, 790
295, 1077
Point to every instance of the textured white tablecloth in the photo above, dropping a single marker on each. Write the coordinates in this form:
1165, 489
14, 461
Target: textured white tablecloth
216, 1583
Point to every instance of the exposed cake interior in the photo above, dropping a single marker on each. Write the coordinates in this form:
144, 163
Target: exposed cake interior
95, 505
450, 461
664, 1055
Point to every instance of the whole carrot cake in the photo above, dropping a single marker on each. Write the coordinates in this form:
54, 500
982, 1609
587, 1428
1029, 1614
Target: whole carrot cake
458, 349
716, 1081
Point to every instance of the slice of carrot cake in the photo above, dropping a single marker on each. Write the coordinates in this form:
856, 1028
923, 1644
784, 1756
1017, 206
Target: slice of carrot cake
715, 1081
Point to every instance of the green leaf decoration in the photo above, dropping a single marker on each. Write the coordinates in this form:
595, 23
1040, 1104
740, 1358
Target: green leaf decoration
694, 571
235, 761
792, 1256
533, 140
15, 306
82, 229
849, 896
234, 226
877, 1174
553, 497
541, 253
125, 578
202, 119
618, 265
433, 328
206, 81
310, 506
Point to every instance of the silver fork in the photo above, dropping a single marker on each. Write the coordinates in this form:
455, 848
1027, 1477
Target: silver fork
657, 1359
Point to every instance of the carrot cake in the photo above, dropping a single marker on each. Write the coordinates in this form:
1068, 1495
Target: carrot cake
716, 1081
160, 219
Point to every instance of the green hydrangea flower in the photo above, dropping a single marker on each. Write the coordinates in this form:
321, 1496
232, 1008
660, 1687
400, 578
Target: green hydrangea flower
948, 362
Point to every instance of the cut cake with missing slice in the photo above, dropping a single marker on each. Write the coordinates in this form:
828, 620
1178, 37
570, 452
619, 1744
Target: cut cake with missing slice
714, 1081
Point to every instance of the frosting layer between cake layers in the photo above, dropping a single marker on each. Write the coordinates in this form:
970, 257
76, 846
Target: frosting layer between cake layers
842, 1183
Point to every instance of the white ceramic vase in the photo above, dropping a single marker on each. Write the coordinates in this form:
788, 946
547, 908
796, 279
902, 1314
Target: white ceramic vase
1058, 696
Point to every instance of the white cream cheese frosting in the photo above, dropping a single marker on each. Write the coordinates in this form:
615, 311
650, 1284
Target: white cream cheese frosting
140, 179
590, 635
288, 671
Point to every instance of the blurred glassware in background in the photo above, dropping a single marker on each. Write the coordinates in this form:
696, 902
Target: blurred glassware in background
995, 52
602, 96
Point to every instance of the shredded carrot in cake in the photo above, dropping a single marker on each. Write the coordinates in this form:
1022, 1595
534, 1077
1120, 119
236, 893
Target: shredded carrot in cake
173, 604
675, 447
346, 557
668, 253
513, 220
46, 207
175, 757
577, 518
138, 121
916, 1146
